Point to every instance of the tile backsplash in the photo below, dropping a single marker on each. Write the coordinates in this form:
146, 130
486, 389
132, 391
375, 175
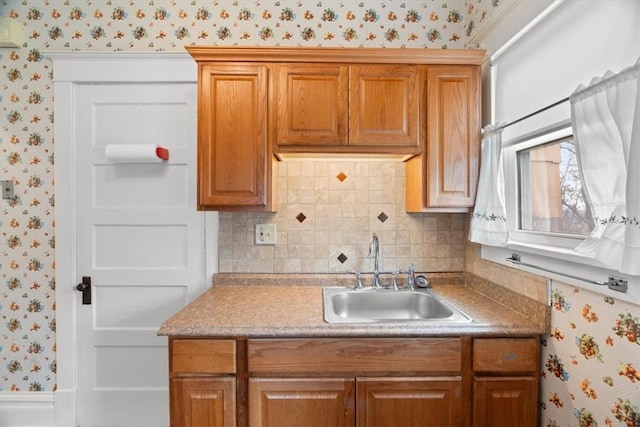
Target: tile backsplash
326, 214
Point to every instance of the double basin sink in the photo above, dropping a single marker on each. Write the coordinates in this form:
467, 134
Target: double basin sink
372, 305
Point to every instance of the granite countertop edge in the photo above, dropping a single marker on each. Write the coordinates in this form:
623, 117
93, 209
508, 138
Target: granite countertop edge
257, 305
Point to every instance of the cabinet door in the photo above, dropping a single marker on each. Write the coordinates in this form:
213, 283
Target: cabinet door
232, 135
317, 402
507, 402
383, 104
409, 402
203, 402
312, 104
453, 135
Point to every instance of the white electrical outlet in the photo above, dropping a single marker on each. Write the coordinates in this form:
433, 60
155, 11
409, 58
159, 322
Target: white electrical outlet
265, 234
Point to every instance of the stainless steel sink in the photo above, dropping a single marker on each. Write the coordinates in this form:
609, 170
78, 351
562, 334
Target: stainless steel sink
370, 305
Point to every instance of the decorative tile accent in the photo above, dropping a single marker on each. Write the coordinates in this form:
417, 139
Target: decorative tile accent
341, 177
342, 258
301, 217
383, 217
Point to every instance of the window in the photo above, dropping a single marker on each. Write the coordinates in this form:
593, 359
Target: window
544, 198
552, 199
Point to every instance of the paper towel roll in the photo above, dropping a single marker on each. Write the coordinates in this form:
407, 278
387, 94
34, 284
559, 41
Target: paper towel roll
136, 153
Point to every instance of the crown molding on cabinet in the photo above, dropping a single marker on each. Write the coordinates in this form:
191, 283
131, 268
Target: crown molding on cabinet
338, 54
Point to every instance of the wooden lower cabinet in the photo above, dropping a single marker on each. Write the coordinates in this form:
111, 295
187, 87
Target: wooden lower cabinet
409, 402
203, 402
310, 402
507, 402
355, 382
361, 402
506, 382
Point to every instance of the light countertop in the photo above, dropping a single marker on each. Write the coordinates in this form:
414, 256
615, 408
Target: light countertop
290, 305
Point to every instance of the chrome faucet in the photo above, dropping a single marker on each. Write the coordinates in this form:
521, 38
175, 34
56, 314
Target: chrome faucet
374, 251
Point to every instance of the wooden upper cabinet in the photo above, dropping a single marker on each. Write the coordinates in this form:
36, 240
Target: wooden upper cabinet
453, 135
259, 103
311, 102
384, 105
341, 108
233, 144
445, 175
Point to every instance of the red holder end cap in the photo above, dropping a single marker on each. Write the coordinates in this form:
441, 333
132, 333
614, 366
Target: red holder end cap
163, 153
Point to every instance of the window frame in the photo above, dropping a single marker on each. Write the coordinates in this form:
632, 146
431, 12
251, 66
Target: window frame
513, 190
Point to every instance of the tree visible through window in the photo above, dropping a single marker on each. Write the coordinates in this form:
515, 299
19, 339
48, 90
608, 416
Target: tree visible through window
552, 197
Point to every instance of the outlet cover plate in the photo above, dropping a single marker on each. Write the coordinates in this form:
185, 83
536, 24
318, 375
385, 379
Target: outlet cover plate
8, 191
265, 234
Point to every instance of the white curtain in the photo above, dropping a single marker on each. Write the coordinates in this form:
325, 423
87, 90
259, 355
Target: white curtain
606, 127
489, 221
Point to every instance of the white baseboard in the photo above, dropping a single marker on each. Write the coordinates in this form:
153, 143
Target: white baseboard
27, 409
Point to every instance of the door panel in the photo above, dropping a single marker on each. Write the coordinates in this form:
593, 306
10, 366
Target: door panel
293, 402
383, 102
505, 402
453, 139
210, 402
233, 135
407, 402
312, 104
140, 239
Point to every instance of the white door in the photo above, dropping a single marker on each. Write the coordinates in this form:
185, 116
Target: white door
141, 242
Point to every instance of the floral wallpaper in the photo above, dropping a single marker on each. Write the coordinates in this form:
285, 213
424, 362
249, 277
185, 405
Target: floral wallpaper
591, 359
27, 223
591, 372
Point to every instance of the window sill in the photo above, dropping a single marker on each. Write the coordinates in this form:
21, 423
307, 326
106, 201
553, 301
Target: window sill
564, 262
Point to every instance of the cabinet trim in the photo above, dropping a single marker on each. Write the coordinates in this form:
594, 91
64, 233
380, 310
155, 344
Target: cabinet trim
338, 54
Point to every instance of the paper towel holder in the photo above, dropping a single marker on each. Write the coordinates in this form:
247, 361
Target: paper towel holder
136, 153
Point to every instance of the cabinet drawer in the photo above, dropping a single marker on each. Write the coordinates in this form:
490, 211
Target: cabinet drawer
505, 354
193, 356
342, 356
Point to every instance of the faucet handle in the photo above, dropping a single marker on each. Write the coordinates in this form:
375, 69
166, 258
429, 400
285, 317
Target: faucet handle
394, 277
411, 279
358, 279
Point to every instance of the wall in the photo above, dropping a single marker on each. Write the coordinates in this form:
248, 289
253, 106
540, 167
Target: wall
590, 360
27, 224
